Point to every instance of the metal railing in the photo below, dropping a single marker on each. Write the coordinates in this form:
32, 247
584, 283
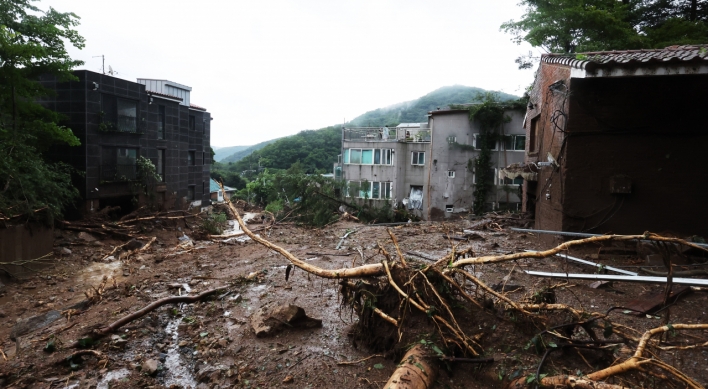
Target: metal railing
119, 172
385, 134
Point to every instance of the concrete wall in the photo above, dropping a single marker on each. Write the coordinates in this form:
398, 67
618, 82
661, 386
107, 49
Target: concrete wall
545, 195
458, 191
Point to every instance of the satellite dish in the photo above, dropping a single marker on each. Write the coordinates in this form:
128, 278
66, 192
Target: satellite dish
111, 71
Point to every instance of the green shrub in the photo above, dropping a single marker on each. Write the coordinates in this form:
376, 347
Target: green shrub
215, 223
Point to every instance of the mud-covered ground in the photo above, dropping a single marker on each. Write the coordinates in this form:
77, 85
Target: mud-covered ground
211, 343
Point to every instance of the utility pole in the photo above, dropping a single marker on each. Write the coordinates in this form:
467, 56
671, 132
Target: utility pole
103, 63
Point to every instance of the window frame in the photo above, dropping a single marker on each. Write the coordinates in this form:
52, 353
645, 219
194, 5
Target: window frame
513, 141
191, 158
416, 158
474, 143
385, 156
495, 177
450, 174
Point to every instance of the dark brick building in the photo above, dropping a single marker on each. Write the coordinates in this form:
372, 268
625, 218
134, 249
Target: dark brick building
117, 121
622, 136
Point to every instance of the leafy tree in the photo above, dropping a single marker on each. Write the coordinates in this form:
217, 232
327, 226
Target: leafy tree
569, 26
32, 43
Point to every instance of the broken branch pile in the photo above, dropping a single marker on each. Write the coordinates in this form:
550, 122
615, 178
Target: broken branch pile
441, 308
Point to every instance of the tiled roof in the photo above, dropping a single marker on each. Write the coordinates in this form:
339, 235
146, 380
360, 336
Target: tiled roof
669, 55
163, 95
194, 106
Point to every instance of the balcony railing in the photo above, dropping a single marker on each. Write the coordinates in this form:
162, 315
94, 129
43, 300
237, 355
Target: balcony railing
385, 134
118, 172
122, 123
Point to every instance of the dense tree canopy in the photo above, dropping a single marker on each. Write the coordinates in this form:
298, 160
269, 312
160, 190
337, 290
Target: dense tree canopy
32, 43
569, 26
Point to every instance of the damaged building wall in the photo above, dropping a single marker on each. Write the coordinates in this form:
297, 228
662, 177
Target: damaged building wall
634, 156
542, 137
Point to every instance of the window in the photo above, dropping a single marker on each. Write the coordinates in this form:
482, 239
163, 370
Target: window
418, 158
160, 122
119, 114
190, 158
451, 174
192, 123
449, 208
160, 165
515, 142
478, 143
451, 139
368, 156
533, 133
118, 164
374, 190
509, 181
491, 177
190, 193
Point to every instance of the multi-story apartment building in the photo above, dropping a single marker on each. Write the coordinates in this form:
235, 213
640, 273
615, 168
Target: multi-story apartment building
426, 166
118, 121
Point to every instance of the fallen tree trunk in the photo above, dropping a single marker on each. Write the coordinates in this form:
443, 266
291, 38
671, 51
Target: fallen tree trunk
415, 371
357, 272
151, 307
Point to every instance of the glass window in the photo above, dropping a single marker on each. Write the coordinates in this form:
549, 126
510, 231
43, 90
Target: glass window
377, 157
160, 122
520, 142
376, 190
190, 158
190, 193
418, 158
386, 190
387, 160
355, 156
367, 157
346, 156
478, 144
192, 123
127, 116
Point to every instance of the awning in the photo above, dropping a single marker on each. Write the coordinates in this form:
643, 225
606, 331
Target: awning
515, 170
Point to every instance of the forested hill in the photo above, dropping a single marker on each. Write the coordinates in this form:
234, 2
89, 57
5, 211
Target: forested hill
317, 150
415, 111
238, 155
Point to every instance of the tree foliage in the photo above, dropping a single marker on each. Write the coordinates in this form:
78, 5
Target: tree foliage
32, 43
569, 26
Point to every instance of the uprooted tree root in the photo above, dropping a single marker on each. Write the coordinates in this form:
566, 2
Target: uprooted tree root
399, 303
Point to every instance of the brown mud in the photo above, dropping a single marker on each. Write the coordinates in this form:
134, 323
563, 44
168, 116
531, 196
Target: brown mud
211, 344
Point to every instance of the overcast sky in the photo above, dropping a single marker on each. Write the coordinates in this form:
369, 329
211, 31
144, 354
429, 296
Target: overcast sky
266, 69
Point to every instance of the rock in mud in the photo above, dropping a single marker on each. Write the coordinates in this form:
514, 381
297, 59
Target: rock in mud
86, 237
134, 244
271, 319
34, 323
208, 374
149, 367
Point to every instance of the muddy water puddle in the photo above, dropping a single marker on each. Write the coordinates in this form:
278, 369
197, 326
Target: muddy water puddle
92, 275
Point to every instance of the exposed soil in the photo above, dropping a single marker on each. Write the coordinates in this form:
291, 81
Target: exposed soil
211, 344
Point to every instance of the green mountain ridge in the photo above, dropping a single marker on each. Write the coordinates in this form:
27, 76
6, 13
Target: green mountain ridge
224, 152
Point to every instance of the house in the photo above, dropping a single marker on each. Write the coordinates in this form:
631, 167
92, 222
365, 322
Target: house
424, 166
216, 194
616, 139
119, 121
